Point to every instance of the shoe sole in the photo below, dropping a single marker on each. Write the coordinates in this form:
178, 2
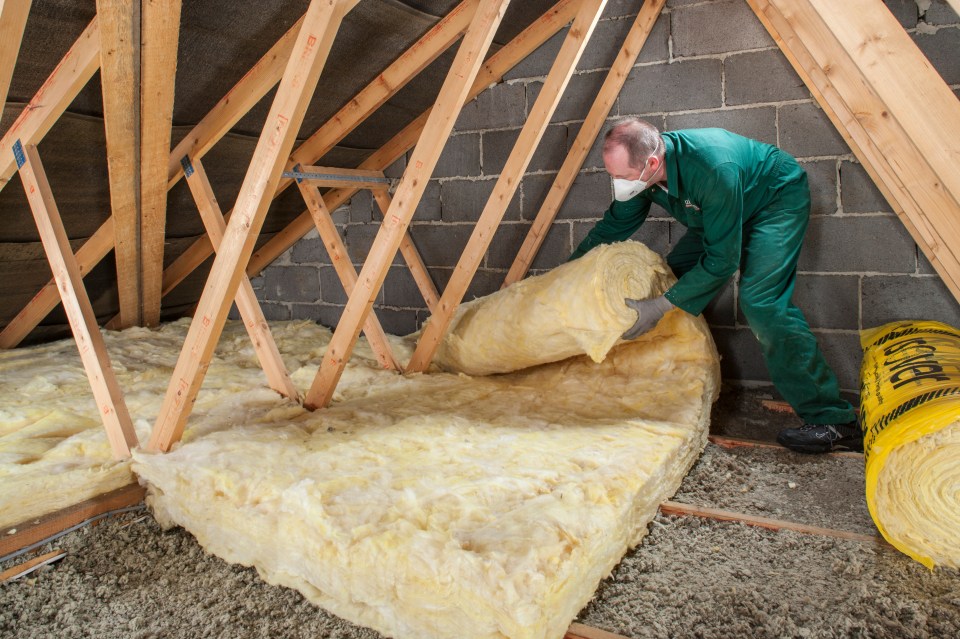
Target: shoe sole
819, 450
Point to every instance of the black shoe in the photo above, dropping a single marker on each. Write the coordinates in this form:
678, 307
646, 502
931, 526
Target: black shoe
822, 438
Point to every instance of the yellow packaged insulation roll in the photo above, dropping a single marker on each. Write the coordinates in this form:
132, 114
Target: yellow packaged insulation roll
577, 308
910, 413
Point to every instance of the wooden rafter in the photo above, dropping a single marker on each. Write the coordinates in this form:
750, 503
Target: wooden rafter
13, 18
120, 78
310, 51
251, 88
76, 303
246, 299
606, 96
503, 191
342, 264
882, 95
48, 104
385, 85
492, 72
453, 94
158, 64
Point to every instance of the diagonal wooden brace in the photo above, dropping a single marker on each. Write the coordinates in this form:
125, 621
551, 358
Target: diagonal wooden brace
619, 70
76, 303
320, 25
346, 271
411, 255
246, 299
453, 94
537, 121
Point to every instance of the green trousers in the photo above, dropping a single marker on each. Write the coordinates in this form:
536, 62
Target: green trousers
768, 268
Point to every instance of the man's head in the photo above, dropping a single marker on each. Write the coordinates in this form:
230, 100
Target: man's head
633, 156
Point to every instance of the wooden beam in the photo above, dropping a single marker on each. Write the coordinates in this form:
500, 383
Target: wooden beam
580, 631
238, 101
385, 85
35, 531
330, 176
89, 255
246, 299
503, 191
48, 104
606, 96
492, 72
27, 567
418, 269
13, 18
676, 508
416, 58
83, 323
453, 94
956, 6
872, 126
120, 78
310, 51
161, 33
346, 271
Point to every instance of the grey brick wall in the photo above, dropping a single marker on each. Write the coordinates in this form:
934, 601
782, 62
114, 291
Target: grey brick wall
706, 63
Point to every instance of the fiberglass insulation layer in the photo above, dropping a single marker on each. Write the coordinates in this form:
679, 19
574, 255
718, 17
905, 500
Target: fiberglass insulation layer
436, 505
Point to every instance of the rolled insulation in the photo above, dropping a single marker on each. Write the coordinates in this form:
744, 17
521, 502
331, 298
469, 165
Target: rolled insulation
910, 412
577, 308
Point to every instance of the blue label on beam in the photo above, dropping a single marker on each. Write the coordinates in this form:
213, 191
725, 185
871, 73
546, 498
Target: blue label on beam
18, 154
297, 175
187, 166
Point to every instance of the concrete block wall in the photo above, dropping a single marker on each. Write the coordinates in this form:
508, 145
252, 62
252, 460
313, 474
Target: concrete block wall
706, 63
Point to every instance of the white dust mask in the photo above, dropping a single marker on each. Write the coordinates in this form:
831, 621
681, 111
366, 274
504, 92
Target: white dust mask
623, 190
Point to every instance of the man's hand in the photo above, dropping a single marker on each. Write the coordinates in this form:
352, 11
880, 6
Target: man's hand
649, 313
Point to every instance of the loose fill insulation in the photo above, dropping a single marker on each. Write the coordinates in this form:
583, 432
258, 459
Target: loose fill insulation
436, 505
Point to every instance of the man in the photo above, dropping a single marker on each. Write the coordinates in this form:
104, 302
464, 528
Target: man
746, 205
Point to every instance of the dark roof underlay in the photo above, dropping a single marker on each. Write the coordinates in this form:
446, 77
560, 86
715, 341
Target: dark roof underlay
219, 43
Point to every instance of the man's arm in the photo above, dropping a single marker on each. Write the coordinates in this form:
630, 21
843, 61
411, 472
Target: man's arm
722, 210
620, 221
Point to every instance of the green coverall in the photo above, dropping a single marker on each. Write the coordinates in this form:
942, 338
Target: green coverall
746, 205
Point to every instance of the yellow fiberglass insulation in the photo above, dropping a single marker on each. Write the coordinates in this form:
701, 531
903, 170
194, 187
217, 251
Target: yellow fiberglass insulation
428, 506
574, 309
910, 412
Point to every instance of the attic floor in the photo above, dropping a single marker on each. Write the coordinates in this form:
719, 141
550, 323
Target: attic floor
690, 576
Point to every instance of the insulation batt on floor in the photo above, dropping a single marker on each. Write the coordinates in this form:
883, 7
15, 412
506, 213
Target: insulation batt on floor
438, 505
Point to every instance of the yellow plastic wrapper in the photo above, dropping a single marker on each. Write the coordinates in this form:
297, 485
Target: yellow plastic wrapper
910, 413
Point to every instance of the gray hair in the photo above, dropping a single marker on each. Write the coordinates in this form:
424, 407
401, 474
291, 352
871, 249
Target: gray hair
640, 138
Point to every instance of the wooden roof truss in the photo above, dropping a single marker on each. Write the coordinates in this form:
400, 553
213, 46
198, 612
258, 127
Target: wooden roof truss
893, 109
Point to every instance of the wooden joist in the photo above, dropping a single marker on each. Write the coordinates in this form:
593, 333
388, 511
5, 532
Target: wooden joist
320, 25
246, 299
677, 508
596, 117
160, 21
28, 533
93, 352
13, 18
453, 94
503, 191
120, 73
